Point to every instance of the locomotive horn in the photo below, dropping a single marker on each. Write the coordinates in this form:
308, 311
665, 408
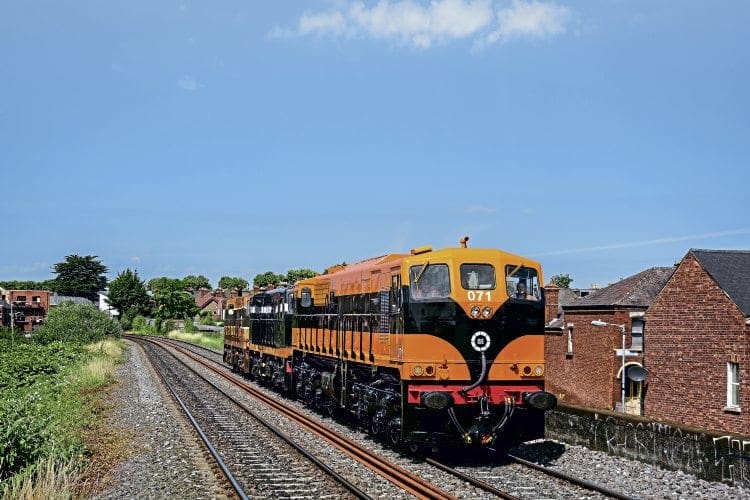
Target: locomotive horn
463, 241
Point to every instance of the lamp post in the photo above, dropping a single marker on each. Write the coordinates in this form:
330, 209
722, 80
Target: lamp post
598, 322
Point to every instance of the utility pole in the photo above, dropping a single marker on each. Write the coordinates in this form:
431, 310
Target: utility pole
11, 322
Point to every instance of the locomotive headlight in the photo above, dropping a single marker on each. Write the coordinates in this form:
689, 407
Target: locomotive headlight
538, 371
417, 370
474, 311
486, 312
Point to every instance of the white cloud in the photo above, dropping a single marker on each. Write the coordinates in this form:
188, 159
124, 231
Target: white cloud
189, 84
332, 22
530, 20
422, 24
644, 243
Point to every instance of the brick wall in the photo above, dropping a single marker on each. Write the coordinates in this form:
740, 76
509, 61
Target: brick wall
588, 377
551, 302
692, 330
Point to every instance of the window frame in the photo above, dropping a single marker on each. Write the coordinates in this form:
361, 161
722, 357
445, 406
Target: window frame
733, 381
466, 287
446, 282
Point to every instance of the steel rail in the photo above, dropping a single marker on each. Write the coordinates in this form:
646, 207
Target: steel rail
224, 469
472, 480
356, 491
392, 472
571, 479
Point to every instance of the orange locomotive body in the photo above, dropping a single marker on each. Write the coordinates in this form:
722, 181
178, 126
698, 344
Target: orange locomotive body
433, 347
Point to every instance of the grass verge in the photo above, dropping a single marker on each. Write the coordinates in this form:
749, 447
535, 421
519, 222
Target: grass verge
45, 413
213, 341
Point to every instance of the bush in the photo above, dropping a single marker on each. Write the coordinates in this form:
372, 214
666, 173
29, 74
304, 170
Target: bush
76, 323
44, 404
190, 326
140, 325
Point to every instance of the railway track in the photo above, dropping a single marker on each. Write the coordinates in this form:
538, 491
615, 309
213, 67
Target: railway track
402, 478
242, 444
487, 484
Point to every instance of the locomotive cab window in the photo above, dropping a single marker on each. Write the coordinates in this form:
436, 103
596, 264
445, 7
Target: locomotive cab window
522, 282
477, 277
429, 281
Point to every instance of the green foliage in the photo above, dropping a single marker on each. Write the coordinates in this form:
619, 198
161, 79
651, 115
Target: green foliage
294, 275
206, 318
127, 294
562, 280
268, 278
22, 363
174, 305
164, 284
140, 325
211, 340
229, 283
190, 326
76, 323
50, 284
40, 411
81, 276
195, 282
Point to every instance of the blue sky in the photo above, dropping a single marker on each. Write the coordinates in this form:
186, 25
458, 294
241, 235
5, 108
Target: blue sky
234, 138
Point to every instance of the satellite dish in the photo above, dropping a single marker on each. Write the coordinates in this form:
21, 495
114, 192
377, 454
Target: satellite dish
637, 373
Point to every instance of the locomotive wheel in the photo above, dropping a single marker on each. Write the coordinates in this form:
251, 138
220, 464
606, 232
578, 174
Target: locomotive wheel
394, 436
415, 447
375, 428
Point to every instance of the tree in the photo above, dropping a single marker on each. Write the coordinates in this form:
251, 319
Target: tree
81, 276
268, 278
164, 284
195, 282
562, 280
70, 322
127, 294
175, 304
29, 285
229, 283
294, 275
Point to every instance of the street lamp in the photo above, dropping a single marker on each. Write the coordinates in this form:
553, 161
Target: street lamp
598, 322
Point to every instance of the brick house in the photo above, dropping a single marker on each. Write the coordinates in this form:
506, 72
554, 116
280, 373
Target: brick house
211, 302
698, 332
584, 362
29, 308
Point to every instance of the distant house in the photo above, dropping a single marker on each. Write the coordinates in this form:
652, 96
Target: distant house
105, 306
24, 309
698, 332
210, 302
584, 362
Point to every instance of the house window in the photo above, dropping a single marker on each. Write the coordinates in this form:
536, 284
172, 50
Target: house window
36, 298
636, 334
570, 340
733, 385
21, 298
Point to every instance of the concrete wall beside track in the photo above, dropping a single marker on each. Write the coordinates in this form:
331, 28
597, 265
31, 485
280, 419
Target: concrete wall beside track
707, 454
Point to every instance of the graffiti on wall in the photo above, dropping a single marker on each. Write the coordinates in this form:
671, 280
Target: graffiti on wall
725, 458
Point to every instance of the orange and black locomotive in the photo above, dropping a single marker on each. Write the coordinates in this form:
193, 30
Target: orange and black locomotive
435, 347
